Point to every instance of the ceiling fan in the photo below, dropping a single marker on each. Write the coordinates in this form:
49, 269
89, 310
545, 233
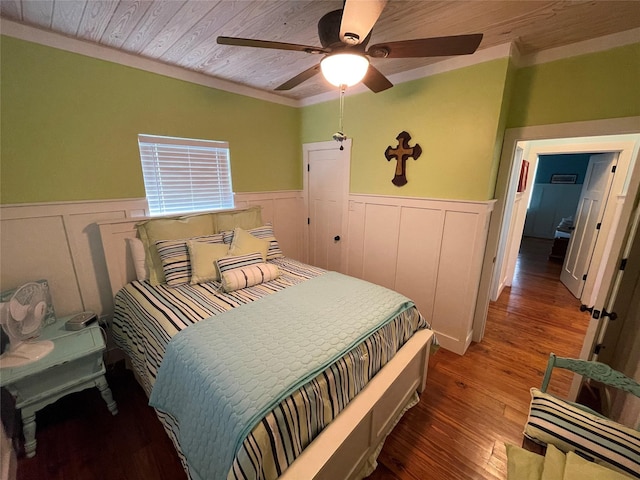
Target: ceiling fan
344, 35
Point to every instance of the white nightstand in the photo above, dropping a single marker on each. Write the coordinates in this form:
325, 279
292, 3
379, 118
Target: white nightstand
75, 364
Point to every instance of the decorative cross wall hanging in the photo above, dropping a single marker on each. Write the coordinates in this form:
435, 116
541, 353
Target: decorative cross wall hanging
401, 153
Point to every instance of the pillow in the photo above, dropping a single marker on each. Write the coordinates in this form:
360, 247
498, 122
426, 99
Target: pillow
243, 277
523, 464
554, 461
203, 258
243, 243
265, 232
174, 257
230, 262
577, 468
157, 229
554, 421
247, 218
136, 249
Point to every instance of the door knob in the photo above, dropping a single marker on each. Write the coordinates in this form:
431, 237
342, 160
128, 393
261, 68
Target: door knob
337, 238
584, 308
597, 314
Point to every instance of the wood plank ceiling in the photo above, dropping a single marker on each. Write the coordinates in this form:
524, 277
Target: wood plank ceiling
183, 33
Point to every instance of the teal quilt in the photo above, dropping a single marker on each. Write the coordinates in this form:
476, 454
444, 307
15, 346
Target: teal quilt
220, 376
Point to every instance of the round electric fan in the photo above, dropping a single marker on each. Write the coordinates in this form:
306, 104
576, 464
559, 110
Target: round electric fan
22, 318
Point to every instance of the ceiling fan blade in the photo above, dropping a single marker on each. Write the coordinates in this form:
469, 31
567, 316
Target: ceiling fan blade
298, 79
375, 80
427, 47
248, 42
358, 18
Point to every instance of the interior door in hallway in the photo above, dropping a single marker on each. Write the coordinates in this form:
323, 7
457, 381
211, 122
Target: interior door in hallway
595, 191
327, 187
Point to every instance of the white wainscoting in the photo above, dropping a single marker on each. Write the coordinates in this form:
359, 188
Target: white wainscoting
285, 210
429, 250
60, 242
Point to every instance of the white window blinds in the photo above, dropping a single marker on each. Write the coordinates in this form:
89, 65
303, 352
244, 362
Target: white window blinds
185, 175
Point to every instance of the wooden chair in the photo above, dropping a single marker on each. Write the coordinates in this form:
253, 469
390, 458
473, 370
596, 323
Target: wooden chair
575, 427
592, 370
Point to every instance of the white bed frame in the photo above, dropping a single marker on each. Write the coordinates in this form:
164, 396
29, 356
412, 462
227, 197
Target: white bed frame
344, 447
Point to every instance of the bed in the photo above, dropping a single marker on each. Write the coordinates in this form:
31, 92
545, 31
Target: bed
333, 406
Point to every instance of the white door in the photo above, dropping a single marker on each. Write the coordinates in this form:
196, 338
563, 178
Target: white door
606, 299
327, 187
509, 234
587, 221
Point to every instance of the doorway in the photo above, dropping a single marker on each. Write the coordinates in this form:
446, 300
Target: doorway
616, 135
569, 193
598, 210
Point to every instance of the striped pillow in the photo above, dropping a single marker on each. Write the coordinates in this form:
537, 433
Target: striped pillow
569, 428
238, 261
238, 278
265, 232
175, 258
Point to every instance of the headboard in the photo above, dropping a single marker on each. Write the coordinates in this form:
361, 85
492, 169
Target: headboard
114, 233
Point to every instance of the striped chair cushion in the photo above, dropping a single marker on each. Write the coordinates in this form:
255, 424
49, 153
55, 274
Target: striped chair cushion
175, 258
238, 278
569, 428
266, 233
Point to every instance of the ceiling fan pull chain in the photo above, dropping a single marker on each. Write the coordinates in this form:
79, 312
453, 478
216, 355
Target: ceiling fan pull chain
342, 89
339, 136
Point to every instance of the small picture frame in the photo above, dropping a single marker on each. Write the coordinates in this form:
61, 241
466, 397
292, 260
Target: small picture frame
524, 172
564, 178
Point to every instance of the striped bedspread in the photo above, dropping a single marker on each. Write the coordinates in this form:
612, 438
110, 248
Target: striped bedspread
146, 318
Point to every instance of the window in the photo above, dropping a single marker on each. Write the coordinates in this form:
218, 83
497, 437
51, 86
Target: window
185, 175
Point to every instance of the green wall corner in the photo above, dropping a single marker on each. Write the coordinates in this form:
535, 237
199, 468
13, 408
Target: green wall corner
69, 123
586, 87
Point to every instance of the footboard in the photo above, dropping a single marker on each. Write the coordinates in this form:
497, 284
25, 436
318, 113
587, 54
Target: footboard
341, 450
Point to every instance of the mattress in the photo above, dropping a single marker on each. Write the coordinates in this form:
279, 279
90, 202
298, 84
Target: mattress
146, 318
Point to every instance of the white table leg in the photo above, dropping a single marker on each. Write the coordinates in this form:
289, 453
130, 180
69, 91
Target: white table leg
105, 391
29, 430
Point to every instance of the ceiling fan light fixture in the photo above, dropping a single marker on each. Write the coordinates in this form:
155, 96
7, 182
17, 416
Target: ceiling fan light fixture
344, 68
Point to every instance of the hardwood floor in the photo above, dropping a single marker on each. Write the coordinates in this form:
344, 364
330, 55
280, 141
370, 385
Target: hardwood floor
472, 406
476, 403
79, 439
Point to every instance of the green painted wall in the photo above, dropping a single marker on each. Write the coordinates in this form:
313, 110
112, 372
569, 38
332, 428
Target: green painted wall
69, 123
69, 127
457, 118
587, 87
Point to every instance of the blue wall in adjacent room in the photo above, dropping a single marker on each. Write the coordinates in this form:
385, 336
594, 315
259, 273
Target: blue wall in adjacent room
566, 164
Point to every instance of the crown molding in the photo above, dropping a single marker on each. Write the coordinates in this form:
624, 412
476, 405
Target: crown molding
511, 50
594, 45
62, 42
73, 45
